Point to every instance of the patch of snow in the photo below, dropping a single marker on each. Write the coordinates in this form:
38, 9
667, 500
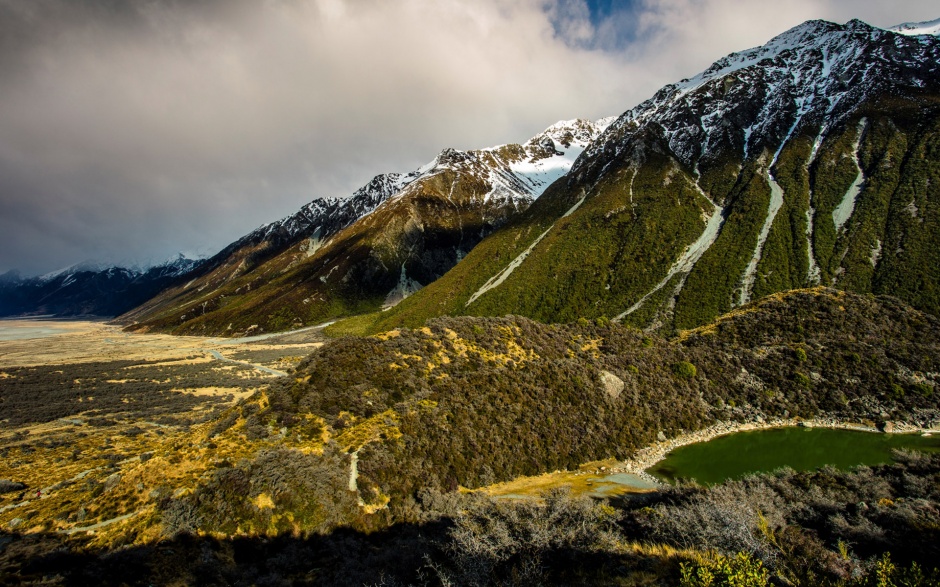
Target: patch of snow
930, 27
816, 145
404, 288
844, 210
313, 243
540, 173
750, 272
875, 253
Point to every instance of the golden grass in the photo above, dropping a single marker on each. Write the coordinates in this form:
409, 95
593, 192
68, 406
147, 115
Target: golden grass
90, 474
586, 480
363, 431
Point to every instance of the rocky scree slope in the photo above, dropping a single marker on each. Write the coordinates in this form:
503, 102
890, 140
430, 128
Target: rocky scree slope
814, 159
395, 235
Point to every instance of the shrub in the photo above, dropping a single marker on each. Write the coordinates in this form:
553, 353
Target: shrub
684, 369
897, 392
493, 541
8, 486
923, 389
742, 570
179, 517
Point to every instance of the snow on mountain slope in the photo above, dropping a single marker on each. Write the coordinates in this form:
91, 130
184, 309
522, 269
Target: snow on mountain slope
514, 172
521, 172
90, 288
564, 141
175, 265
930, 27
342, 211
817, 72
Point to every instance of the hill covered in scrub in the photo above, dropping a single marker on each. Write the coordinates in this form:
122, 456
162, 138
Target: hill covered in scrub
466, 402
362, 450
811, 160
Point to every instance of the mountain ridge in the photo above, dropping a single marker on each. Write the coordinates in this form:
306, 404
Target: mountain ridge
395, 235
89, 289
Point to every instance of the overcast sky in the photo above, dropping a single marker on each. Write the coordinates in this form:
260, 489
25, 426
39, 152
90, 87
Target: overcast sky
133, 129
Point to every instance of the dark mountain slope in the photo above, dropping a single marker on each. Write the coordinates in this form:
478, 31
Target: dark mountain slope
244, 260
351, 257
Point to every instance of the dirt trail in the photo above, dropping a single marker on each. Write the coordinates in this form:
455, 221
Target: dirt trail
101, 524
221, 357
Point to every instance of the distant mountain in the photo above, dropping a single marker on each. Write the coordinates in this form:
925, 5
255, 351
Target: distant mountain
814, 159
89, 290
393, 236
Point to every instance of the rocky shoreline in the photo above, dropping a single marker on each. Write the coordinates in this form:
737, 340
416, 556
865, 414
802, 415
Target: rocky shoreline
649, 456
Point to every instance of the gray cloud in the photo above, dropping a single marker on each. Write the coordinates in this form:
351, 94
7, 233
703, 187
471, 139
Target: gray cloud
133, 129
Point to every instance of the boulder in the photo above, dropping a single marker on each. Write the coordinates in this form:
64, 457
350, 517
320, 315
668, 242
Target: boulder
613, 385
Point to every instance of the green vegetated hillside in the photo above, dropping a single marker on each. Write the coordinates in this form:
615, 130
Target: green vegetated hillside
619, 245
740, 184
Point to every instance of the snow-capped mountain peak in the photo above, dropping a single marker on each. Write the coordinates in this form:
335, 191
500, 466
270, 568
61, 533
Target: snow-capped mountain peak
807, 79
521, 173
88, 266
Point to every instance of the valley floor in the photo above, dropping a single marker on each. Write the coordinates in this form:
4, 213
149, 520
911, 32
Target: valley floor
83, 404
54, 342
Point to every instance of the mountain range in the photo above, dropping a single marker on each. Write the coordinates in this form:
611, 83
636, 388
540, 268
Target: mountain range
810, 160
86, 289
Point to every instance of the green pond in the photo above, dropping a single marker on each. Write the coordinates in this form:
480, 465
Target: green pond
742, 453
